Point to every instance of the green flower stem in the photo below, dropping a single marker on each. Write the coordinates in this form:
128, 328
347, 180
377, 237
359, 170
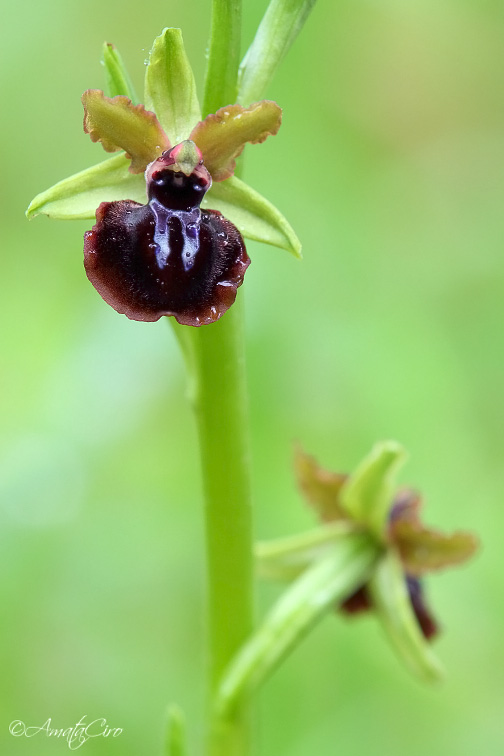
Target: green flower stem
175, 733
215, 356
321, 587
224, 56
278, 29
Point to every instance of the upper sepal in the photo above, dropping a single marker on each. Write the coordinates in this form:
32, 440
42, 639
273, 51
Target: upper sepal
222, 136
120, 125
368, 493
170, 89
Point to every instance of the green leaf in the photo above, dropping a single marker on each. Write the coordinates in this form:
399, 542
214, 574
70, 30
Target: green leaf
391, 600
78, 196
277, 31
326, 583
170, 89
176, 744
118, 79
252, 214
368, 494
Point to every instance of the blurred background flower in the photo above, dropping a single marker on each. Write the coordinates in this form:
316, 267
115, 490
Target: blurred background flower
390, 327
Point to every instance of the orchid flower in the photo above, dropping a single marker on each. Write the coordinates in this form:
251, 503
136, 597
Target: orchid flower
170, 214
365, 505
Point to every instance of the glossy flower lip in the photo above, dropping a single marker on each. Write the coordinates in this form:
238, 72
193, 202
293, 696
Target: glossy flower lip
167, 258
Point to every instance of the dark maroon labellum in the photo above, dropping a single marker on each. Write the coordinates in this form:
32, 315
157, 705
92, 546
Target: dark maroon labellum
360, 601
168, 257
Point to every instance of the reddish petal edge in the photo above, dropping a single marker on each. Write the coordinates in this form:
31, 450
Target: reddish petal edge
140, 150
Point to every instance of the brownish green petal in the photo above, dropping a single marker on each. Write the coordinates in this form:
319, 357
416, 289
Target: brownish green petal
222, 136
321, 487
120, 125
424, 549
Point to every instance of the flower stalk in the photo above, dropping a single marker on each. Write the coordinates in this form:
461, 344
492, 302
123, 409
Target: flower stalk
221, 82
220, 401
326, 582
217, 366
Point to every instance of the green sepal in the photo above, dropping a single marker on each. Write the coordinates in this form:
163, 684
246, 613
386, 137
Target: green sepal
176, 740
390, 598
368, 493
284, 559
78, 196
170, 89
252, 214
322, 586
118, 79
278, 29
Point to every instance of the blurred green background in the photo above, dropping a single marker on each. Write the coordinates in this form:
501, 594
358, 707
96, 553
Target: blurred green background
391, 327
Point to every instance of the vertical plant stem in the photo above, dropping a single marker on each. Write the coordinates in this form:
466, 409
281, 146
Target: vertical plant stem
221, 408
218, 362
278, 29
221, 86
219, 395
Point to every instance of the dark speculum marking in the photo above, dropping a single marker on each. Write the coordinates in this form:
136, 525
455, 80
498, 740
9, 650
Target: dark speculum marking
167, 257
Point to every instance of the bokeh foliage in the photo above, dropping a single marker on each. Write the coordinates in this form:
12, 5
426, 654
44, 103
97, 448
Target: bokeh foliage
390, 327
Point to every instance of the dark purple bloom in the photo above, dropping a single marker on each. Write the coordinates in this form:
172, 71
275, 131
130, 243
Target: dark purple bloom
168, 257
